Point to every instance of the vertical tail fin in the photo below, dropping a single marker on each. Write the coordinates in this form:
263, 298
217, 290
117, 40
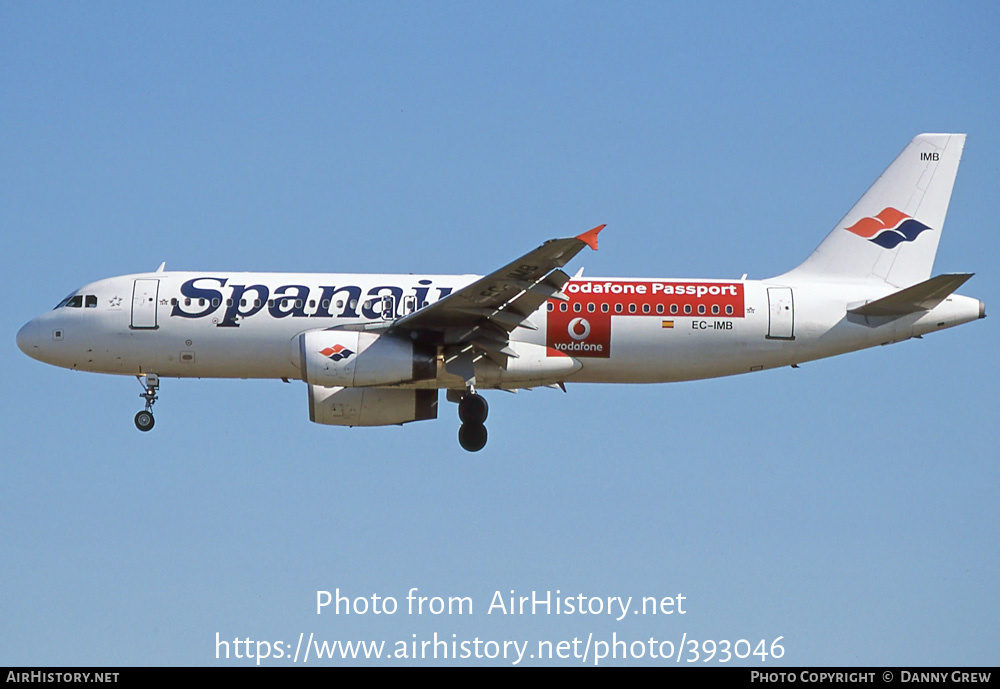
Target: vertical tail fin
891, 235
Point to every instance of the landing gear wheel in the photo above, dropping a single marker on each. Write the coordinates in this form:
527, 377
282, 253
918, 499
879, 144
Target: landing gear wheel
150, 384
144, 420
472, 436
472, 409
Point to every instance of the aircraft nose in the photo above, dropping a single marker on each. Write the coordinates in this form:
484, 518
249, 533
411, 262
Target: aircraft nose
27, 339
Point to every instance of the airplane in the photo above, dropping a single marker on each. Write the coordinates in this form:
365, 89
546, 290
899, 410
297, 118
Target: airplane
375, 350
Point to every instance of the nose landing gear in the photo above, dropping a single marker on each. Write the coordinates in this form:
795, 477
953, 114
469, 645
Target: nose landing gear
472, 410
144, 420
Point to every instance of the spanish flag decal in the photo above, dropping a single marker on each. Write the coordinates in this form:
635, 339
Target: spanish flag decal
668, 324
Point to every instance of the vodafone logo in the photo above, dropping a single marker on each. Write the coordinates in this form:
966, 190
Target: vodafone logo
578, 328
584, 337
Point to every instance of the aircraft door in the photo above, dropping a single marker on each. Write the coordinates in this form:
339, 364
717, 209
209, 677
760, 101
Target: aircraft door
781, 323
144, 295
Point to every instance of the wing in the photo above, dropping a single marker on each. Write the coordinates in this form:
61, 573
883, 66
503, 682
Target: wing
476, 320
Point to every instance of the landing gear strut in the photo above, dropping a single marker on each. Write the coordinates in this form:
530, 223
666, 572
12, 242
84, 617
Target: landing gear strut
144, 420
472, 410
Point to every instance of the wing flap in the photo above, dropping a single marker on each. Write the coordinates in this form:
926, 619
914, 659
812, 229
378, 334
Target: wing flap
507, 318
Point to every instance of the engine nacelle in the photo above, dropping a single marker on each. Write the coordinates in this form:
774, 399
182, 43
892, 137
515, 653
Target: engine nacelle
331, 358
370, 406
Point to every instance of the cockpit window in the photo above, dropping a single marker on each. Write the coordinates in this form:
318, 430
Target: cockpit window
63, 302
76, 301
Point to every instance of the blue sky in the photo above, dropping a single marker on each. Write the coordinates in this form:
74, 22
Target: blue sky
848, 507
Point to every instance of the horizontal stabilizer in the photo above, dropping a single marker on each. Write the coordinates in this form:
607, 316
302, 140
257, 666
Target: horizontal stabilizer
922, 296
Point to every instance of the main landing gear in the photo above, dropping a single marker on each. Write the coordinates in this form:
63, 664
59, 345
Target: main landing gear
144, 420
472, 410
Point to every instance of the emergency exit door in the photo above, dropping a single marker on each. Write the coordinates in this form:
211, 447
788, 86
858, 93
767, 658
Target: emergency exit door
781, 325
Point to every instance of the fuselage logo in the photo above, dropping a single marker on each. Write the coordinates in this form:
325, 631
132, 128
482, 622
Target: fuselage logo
336, 352
578, 329
888, 229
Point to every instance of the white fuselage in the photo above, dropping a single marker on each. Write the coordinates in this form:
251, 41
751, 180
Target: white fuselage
247, 325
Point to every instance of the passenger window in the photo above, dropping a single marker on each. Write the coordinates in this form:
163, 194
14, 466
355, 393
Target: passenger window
618, 308
631, 308
591, 308
659, 308
550, 306
729, 310
645, 308
715, 309
701, 309
605, 308
564, 307
577, 307
673, 308
687, 308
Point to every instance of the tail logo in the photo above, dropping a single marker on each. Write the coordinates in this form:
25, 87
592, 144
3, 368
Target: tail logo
888, 229
337, 352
